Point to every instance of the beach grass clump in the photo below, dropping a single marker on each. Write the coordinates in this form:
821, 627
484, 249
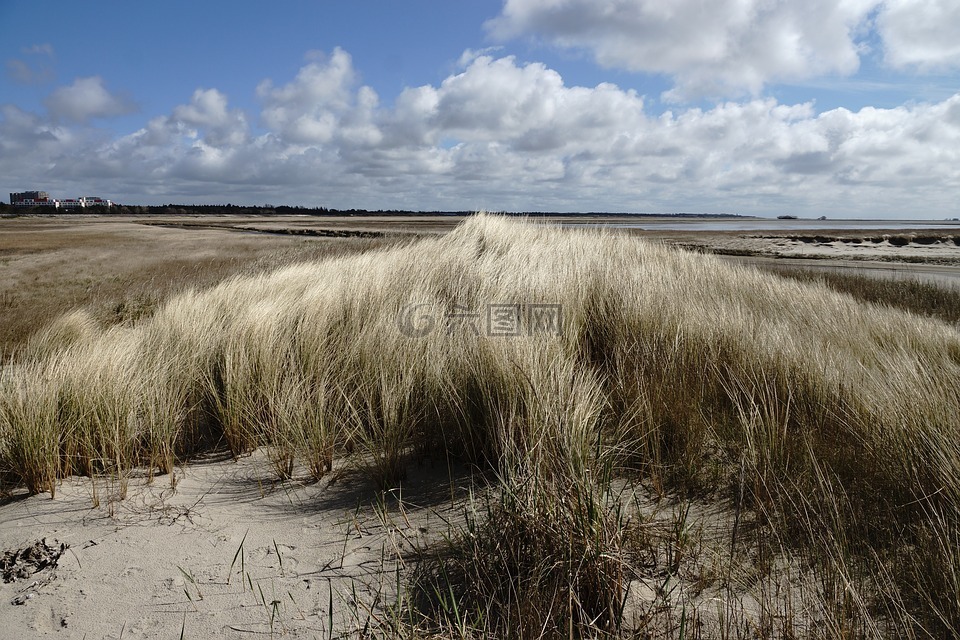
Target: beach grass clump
29, 430
558, 364
74, 327
538, 559
547, 552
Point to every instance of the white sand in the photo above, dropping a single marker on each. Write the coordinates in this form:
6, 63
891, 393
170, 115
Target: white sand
122, 572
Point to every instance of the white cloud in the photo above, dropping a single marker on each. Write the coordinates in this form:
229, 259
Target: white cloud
321, 103
504, 135
731, 48
36, 70
20, 71
718, 48
22, 132
525, 107
87, 98
923, 34
208, 110
44, 49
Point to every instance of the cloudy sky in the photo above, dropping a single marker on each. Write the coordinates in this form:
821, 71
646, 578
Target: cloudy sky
808, 107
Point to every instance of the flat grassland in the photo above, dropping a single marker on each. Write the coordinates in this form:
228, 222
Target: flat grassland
438, 427
120, 269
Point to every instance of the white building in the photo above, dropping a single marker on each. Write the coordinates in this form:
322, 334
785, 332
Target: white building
94, 201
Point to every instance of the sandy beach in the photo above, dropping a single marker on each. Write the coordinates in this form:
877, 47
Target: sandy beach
163, 560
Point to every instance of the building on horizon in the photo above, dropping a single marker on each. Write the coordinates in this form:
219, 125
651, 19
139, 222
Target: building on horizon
42, 199
32, 199
94, 201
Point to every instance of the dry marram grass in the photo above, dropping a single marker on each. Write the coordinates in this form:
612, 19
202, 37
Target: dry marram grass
826, 426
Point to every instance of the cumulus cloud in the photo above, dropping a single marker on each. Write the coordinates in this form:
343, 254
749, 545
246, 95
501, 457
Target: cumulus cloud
22, 132
923, 34
730, 48
321, 103
87, 98
505, 135
208, 111
45, 49
507, 106
20, 71
36, 69
720, 48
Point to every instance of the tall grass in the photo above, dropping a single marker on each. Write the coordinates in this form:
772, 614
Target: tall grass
936, 300
833, 423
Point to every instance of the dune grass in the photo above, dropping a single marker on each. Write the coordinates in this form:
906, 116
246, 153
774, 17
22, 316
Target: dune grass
828, 426
931, 299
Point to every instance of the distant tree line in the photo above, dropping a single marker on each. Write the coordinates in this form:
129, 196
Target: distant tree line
282, 210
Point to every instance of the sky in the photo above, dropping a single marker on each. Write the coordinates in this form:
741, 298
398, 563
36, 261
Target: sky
845, 108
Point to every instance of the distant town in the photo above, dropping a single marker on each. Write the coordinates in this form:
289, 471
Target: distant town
42, 199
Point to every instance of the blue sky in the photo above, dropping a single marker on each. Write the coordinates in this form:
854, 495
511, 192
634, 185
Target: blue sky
844, 108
